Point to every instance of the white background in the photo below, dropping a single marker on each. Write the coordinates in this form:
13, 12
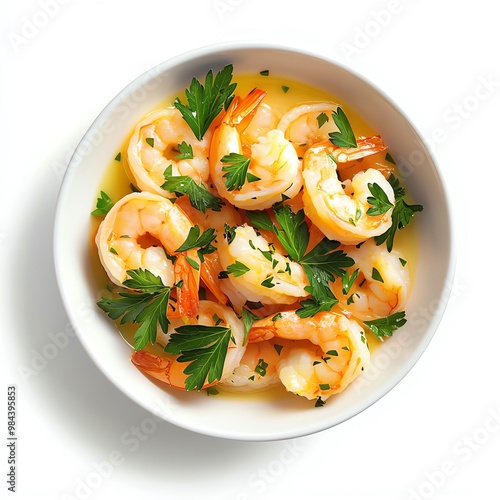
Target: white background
436, 435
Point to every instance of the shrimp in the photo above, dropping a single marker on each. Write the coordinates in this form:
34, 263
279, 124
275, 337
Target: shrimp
382, 285
136, 234
264, 274
329, 351
339, 209
274, 169
302, 127
257, 369
168, 369
154, 146
211, 267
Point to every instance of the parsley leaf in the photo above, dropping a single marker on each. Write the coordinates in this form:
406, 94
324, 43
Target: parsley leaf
236, 171
383, 327
103, 205
147, 306
322, 264
294, 235
344, 138
203, 242
248, 318
401, 215
205, 347
379, 200
205, 102
237, 269
199, 196
185, 151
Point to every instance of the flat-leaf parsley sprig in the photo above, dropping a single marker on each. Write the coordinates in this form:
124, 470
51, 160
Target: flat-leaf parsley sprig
322, 264
199, 196
146, 304
204, 348
205, 102
401, 215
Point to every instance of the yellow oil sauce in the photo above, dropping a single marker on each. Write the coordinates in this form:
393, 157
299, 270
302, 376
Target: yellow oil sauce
282, 95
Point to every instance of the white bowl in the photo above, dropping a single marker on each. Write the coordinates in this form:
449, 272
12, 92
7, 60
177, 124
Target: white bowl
252, 418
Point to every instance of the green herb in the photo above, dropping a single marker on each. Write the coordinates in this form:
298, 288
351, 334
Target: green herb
379, 200
150, 141
237, 269
205, 102
344, 138
261, 368
185, 151
195, 265
401, 215
285, 89
333, 352
212, 391
403, 262
236, 171
383, 327
205, 348
147, 306
203, 242
199, 196
103, 205
268, 282
389, 158
118, 157
278, 348
248, 319
348, 281
322, 118
324, 387
322, 264
319, 403
376, 275
265, 72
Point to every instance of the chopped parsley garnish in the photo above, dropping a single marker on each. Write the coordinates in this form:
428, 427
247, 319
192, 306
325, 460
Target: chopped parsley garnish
285, 89
261, 368
203, 242
237, 171
322, 264
118, 157
103, 205
146, 306
379, 200
199, 196
150, 141
205, 102
383, 327
205, 348
322, 118
237, 269
185, 151
401, 215
344, 138
348, 281
248, 319
376, 275
264, 72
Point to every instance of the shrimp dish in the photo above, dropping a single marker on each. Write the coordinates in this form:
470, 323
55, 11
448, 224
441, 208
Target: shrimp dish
254, 238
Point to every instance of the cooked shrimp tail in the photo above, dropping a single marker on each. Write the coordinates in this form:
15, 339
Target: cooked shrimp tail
188, 283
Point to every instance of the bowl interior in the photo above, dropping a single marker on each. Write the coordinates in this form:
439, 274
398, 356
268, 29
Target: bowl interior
235, 417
